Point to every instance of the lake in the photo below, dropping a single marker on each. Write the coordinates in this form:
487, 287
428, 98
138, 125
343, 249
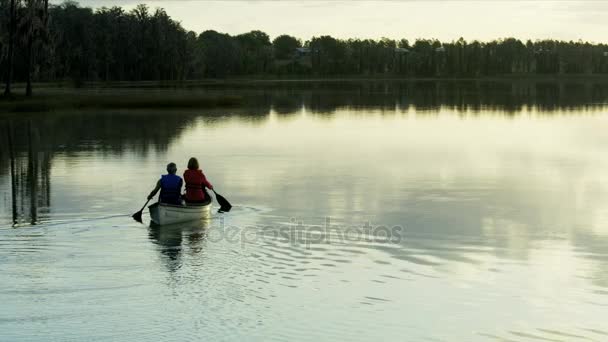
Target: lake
410, 211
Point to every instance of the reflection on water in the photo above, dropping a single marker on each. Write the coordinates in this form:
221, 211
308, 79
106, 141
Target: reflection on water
29, 174
170, 239
32, 143
505, 96
417, 211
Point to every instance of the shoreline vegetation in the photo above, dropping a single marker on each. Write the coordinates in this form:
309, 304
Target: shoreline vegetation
70, 44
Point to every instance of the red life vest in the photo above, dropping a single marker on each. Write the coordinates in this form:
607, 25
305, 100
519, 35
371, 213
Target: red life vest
195, 182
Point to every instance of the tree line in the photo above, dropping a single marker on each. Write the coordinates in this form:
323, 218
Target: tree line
42, 42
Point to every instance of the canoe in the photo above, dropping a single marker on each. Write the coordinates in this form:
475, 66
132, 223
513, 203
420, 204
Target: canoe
162, 213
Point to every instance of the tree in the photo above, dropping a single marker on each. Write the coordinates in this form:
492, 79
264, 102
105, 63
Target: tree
73, 36
220, 53
46, 42
11, 47
32, 28
284, 46
108, 24
256, 52
328, 55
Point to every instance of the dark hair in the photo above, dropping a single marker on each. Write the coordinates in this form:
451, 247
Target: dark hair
193, 164
171, 168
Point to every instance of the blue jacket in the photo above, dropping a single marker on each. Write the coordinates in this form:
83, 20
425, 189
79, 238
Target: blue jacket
171, 189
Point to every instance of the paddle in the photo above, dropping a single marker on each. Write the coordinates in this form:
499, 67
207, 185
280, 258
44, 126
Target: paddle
225, 206
137, 215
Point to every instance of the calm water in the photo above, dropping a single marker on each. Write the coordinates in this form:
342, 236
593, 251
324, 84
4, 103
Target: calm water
411, 212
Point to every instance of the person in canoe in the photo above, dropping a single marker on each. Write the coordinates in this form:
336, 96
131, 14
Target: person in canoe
170, 186
196, 182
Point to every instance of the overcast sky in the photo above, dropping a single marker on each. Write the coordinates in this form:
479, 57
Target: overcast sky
445, 20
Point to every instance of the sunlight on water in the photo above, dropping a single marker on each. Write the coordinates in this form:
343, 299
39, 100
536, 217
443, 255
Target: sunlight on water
406, 223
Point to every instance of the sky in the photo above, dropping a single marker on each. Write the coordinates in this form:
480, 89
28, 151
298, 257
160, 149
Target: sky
445, 20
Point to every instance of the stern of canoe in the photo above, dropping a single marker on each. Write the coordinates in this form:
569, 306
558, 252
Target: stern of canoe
168, 214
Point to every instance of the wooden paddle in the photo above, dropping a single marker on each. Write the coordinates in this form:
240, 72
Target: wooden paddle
137, 215
225, 206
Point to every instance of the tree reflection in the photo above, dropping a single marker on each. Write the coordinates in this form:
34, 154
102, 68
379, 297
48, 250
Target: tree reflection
325, 97
29, 169
31, 144
32, 141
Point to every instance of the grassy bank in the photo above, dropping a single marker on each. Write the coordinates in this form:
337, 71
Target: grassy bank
75, 100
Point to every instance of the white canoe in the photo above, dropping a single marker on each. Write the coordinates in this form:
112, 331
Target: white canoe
162, 213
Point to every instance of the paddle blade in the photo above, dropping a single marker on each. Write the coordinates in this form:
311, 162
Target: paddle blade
225, 206
137, 216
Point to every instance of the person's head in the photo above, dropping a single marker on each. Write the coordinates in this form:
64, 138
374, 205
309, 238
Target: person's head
171, 168
193, 164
